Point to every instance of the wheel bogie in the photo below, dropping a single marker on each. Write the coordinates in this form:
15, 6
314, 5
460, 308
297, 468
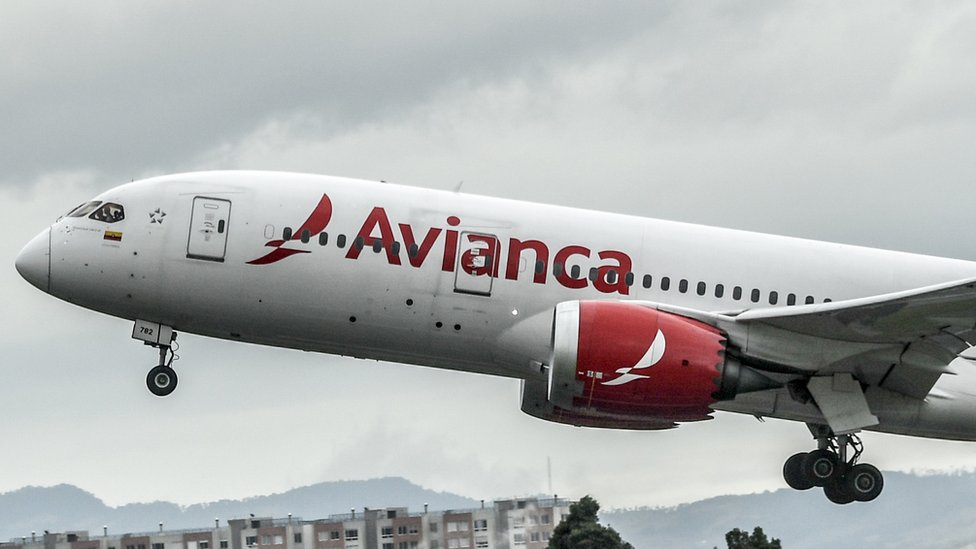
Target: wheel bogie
794, 473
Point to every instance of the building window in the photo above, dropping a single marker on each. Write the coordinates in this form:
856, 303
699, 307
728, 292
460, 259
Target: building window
386, 532
204, 545
352, 534
480, 525
518, 539
298, 537
334, 534
251, 540
534, 537
224, 544
433, 528
413, 529
545, 519
388, 545
435, 544
402, 529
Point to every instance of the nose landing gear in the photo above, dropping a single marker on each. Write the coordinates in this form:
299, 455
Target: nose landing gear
842, 478
162, 378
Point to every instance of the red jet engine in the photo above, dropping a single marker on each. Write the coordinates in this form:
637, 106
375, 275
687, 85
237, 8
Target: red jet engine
628, 359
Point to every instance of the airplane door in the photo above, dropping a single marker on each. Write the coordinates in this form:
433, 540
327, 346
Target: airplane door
209, 223
477, 263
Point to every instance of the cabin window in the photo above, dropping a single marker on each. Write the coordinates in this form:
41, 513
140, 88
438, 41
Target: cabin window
809, 300
108, 213
593, 273
791, 299
396, 248
648, 280
666, 283
341, 241
575, 272
755, 296
557, 268
683, 286
719, 290
540, 267
629, 279
827, 300
286, 233
359, 242
611, 277
773, 297
323, 239
737, 293
377, 245
306, 236
701, 288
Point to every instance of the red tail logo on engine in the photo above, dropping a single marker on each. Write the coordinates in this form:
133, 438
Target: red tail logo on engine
315, 224
653, 355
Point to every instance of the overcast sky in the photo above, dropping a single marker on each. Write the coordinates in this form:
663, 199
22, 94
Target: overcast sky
850, 122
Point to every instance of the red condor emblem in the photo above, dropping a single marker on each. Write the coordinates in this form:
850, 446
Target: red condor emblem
315, 224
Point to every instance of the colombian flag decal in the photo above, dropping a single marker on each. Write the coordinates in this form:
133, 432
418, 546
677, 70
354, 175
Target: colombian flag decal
114, 236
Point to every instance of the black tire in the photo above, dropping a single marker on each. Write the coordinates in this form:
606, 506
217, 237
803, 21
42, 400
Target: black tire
161, 381
819, 466
865, 482
795, 475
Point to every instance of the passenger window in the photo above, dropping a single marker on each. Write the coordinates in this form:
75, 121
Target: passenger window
701, 288
575, 272
414, 250
683, 285
286, 233
629, 279
306, 236
396, 248
341, 241
323, 239
611, 277
359, 242
666, 283
647, 281
377, 245
791, 300
737, 293
539, 267
719, 290
773, 297
809, 300
755, 296
593, 273
84, 209
108, 213
827, 300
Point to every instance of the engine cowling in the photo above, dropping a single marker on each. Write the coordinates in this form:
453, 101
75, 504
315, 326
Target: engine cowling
630, 360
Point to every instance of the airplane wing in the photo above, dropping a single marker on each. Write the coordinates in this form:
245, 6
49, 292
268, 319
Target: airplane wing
902, 341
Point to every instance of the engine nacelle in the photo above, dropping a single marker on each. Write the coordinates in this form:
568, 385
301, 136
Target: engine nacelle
626, 359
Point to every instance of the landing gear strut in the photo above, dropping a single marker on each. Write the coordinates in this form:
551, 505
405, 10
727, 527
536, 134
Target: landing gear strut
162, 378
834, 469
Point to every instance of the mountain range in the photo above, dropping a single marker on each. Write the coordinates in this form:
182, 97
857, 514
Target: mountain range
919, 511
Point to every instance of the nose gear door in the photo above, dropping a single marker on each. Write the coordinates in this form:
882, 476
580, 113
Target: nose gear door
209, 224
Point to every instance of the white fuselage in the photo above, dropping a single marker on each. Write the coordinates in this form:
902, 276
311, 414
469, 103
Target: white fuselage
436, 303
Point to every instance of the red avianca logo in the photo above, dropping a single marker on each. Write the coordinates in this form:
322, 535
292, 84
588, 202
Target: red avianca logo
480, 254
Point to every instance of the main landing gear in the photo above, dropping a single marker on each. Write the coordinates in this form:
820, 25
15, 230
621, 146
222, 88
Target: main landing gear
842, 478
162, 378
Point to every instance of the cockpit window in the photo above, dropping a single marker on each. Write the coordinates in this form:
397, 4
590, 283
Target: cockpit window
109, 213
84, 209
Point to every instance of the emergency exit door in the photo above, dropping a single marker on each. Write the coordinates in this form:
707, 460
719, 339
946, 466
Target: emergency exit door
477, 264
209, 224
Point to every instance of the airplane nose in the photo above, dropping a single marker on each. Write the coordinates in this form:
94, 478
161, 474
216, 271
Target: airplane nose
34, 261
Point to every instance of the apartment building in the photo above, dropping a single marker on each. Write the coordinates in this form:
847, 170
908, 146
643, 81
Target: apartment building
525, 523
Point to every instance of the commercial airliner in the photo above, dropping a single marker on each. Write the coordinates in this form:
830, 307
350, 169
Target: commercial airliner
609, 321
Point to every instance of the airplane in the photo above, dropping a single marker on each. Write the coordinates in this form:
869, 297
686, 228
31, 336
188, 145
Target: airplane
609, 321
